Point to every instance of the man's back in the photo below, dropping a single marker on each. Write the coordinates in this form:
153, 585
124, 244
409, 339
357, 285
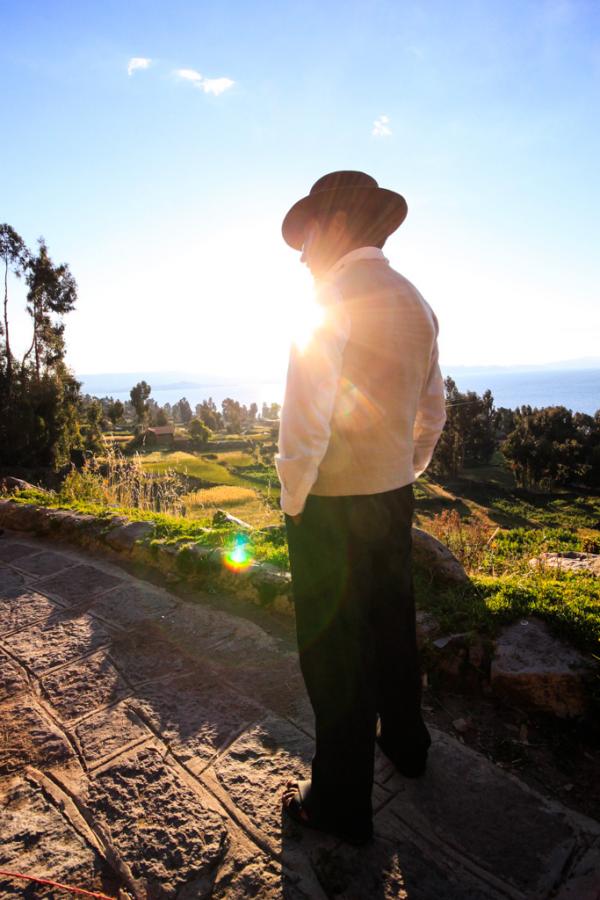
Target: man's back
390, 385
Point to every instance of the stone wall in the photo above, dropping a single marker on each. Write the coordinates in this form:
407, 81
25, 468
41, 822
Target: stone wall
118, 537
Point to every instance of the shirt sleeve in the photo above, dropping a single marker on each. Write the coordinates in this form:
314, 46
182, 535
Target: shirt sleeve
431, 413
312, 382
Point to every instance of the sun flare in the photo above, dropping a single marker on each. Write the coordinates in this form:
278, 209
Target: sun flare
306, 321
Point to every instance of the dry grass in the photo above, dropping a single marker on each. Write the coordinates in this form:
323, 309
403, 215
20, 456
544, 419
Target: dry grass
115, 480
242, 502
223, 495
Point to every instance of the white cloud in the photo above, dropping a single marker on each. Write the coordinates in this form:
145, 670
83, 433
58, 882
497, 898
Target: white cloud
188, 75
137, 62
215, 86
381, 127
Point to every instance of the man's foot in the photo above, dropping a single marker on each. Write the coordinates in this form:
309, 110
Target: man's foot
296, 805
410, 764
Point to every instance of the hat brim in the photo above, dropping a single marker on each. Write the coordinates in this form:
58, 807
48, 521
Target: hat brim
388, 207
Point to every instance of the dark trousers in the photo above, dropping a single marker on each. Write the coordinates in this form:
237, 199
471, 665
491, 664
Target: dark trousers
355, 619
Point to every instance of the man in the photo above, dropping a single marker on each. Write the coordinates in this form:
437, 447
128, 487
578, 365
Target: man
363, 410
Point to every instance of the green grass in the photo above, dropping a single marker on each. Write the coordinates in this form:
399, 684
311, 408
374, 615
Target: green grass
207, 470
570, 604
268, 547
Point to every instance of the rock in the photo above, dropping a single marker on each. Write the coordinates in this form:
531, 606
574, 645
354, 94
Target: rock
10, 485
533, 668
435, 556
427, 627
569, 561
462, 725
478, 653
224, 518
456, 640
125, 536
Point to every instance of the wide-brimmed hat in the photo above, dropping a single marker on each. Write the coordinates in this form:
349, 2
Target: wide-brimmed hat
354, 191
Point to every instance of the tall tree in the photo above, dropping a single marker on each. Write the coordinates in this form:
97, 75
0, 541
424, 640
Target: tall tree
16, 258
185, 410
139, 393
115, 411
52, 291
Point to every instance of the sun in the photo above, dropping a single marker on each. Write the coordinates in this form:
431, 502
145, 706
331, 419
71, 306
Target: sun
307, 317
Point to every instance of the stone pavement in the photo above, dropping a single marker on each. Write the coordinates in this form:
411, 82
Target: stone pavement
145, 741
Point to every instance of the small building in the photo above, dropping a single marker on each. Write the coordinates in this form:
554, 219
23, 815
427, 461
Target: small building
160, 436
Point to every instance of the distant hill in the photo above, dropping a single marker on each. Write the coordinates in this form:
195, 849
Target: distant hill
106, 383
565, 365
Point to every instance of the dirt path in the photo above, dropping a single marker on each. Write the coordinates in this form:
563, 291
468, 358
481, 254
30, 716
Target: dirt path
145, 740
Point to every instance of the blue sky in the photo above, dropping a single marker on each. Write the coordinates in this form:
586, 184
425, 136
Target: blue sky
165, 191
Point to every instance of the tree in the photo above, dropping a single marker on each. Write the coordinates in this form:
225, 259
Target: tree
94, 440
469, 433
16, 257
199, 432
39, 399
553, 446
115, 411
232, 415
139, 393
208, 412
52, 290
270, 411
185, 411
161, 417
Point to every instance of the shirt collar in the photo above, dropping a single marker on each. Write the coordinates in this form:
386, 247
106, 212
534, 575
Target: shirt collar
353, 256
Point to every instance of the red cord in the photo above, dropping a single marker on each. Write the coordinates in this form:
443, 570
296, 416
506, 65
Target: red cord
65, 887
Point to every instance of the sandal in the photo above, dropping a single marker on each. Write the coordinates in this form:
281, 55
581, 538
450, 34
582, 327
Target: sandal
296, 805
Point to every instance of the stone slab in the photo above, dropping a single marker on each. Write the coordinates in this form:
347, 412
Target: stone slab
196, 628
60, 639
84, 685
283, 691
533, 668
163, 831
254, 771
468, 805
79, 583
11, 550
27, 737
195, 718
19, 609
104, 733
44, 563
10, 580
124, 537
12, 678
142, 656
250, 873
131, 606
36, 838
570, 561
583, 879
395, 869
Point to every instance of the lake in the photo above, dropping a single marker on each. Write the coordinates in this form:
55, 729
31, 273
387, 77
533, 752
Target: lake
578, 390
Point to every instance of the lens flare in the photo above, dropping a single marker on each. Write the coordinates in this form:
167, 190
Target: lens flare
238, 557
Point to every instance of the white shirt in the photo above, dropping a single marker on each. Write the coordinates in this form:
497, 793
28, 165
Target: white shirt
313, 389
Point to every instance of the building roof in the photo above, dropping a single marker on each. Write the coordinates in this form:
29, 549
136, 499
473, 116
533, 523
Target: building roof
161, 429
